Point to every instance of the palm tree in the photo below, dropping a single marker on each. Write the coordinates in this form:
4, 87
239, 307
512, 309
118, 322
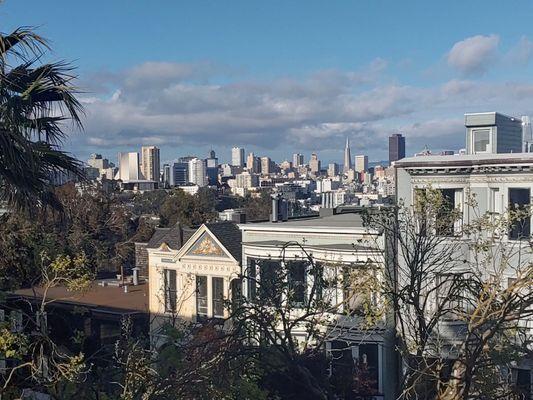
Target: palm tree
37, 100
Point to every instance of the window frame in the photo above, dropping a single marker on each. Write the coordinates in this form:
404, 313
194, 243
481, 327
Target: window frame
527, 220
488, 145
201, 315
170, 294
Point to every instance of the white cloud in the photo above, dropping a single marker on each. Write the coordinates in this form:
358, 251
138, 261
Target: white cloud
474, 55
313, 112
522, 52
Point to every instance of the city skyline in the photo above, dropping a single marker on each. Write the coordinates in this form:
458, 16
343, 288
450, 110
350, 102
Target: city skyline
186, 95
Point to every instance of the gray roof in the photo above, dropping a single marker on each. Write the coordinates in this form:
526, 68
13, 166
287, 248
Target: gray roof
173, 237
346, 220
334, 246
229, 235
466, 160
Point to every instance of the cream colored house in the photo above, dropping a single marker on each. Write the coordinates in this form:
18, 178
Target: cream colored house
191, 273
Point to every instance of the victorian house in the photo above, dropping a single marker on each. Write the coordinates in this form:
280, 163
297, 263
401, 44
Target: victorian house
341, 246
191, 273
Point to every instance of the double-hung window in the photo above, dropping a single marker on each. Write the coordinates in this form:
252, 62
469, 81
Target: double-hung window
217, 288
171, 292
519, 207
297, 282
201, 296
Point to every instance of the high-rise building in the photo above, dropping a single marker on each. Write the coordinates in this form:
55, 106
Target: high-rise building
128, 167
211, 163
180, 174
361, 163
253, 164
197, 172
166, 175
297, 160
150, 163
347, 157
333, 169
396, 147
266, 165
237, 157
527, 134
97, 161
493, 133
314, 163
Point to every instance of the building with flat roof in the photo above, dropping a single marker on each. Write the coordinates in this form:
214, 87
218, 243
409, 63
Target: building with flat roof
340, 244
493, 133
396, 147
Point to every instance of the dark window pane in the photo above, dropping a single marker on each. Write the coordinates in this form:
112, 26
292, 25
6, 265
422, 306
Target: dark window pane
519, 201
170, 290
236, 292
368, 367
201, 295
252, 279
446, 216
218, 297
270, 281
297, 281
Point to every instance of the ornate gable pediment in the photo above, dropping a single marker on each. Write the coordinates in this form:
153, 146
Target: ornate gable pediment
206, 245
164, 247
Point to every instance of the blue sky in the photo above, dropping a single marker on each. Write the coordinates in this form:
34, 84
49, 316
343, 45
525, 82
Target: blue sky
283, 76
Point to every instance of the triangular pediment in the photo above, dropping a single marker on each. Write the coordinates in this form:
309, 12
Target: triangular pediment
164, 247
206, 246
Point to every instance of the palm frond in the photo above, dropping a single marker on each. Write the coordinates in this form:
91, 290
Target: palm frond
22, 43
35, 102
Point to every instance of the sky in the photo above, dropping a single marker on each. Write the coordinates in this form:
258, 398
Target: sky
279, 77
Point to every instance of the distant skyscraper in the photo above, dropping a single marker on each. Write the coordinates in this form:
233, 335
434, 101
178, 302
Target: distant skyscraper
180, 173
166, 175
347, 158
97, 161
297, 160
252, 164
237, 157
266, 165
314, 163
333, 169
396, 147
128, 167
197, 172
150, 163
212, 168
361, 163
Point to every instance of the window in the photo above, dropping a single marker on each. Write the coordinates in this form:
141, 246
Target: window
170, 290
353, 300
519, 201
270, 281
218, 297
446, 216
201, 296
297, 282
421, 210
481, 140
252, 279
368, 365
236, 292
450, 296
349, 361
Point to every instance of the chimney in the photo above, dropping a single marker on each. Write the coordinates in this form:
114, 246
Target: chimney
275, 208
135, 276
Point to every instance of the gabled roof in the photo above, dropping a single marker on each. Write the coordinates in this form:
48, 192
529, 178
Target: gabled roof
173, 237
229, 235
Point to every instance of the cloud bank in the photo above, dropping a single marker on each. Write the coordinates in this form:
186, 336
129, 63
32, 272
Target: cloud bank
203, 105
